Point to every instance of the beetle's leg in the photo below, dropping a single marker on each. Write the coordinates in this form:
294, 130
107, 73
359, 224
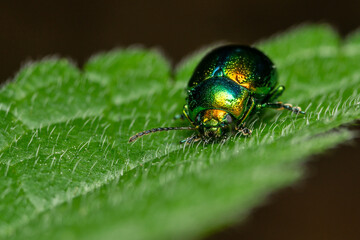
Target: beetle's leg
281, 106
240, 124
186, 114
192, 139
245, 131
277, 92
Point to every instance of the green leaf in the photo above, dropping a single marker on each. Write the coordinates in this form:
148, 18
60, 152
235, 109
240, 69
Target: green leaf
67, 171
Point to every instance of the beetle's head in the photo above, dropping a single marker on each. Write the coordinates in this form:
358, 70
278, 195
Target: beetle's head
215, 123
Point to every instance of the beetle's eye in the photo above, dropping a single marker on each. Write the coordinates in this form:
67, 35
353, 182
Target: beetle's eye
229, 118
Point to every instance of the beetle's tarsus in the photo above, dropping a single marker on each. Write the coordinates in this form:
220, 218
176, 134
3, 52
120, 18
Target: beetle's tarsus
281, 106
295, 109
245, 131
189, 140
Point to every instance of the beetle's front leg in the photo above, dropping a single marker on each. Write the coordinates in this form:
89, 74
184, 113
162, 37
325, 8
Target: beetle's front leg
185, 113
192, 139
244, 130
280, 106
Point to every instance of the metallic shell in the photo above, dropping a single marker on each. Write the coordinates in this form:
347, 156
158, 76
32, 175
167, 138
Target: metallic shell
244, 65
218, 93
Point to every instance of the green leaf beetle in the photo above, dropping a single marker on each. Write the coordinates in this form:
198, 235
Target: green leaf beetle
229, 84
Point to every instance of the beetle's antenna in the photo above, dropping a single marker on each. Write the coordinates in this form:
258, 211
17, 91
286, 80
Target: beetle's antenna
140, 134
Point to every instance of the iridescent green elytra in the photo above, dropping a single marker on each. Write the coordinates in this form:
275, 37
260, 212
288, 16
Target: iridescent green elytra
228, 85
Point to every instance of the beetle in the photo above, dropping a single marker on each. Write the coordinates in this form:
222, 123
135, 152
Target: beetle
229, 84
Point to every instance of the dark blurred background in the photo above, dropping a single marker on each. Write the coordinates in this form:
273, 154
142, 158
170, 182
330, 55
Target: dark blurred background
323, 206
